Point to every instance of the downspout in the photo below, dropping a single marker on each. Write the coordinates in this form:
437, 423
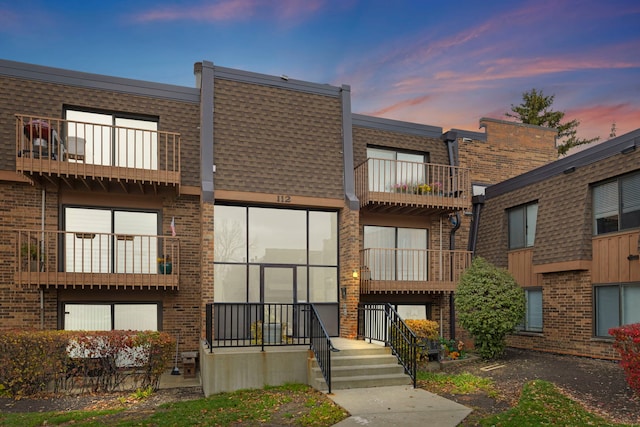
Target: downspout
478, 203
451, 139
41, 253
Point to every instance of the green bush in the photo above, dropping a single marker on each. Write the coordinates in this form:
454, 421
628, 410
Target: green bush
489, 304
86, 361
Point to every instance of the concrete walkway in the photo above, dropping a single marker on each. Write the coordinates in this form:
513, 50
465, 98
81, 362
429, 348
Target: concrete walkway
397, 406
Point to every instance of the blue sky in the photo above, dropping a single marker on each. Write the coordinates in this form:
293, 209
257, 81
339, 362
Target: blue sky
438, 63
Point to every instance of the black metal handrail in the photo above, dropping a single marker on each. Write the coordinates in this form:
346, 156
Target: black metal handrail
321, 344
256, 324
381, 322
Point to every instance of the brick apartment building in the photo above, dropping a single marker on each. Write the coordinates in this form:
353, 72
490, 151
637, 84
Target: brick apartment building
137, 205
568, 231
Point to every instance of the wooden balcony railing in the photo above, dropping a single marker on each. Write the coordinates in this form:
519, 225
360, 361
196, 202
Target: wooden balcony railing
401, 186
385, 270
53, 149
67, 259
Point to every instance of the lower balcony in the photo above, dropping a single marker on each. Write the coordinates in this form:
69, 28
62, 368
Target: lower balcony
79, 260
384, 270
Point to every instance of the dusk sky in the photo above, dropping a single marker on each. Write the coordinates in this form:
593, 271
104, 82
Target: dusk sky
443, 64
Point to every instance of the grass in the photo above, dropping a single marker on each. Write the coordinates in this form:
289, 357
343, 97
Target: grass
293, 404
32, 419
542, 404
463, 383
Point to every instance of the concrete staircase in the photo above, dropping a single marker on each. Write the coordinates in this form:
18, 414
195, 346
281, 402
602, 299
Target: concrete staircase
359, 365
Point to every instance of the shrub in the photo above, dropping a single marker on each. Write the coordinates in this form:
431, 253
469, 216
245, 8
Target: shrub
96, 361
30, 360
490, 304
627, 342
424, 329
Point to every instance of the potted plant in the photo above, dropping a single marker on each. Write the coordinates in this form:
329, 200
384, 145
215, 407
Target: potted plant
164, 264
29, 252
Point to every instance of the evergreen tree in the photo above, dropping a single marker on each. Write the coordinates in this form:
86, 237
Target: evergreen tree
536, 110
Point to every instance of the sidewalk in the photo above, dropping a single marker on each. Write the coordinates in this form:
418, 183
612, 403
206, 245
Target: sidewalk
397, 406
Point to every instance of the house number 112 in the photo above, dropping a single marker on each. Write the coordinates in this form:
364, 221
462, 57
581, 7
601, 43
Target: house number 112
282, 198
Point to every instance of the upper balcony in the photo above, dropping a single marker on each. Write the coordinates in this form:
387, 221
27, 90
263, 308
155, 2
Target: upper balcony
389, 270
96, 156
396, 186
78, 260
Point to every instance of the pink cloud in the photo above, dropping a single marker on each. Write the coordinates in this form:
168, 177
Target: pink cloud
233, 10
400, 106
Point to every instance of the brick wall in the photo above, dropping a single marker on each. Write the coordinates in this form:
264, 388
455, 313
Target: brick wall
349, 261
510, 149
567, 318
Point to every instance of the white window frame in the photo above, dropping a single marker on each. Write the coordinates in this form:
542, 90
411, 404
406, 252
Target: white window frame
627, 312
613, 200
529, 323
528, 226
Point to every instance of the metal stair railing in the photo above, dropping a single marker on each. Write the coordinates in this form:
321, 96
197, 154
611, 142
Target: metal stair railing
321, 344
382, 323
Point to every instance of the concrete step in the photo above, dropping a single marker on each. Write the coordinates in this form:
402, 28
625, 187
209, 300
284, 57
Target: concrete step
365, 381
364, 370
370, 366
368, 359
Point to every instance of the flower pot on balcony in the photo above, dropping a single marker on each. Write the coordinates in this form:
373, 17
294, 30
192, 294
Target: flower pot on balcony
165, 267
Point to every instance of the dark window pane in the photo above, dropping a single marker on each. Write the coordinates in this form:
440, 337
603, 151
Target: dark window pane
607, 309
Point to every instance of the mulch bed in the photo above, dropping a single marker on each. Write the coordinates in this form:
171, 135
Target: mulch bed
598, 385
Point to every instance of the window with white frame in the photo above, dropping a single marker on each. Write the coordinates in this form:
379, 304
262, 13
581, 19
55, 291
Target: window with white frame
111, 316
391, 170
395, 253
105, 240
533, 313
114, 139
616, 204
616, 305
522, 226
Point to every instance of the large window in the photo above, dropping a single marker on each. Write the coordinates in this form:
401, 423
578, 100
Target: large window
522, 226
533, 314
249, 240
114, 140
111, 316
616, 305
396, 253
102, 240
616, 204
389, 169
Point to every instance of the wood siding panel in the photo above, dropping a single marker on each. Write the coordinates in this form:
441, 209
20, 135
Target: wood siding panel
611, 253
521, 267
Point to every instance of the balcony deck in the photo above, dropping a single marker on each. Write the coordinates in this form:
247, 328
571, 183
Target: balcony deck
105, 158
384, 270
401, 187
72, 260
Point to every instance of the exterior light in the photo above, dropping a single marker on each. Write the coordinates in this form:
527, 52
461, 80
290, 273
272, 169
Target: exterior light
355, 274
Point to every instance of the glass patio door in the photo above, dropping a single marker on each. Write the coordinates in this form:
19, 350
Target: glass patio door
277, 288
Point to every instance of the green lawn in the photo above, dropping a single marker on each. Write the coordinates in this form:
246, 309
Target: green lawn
294, 404
542, 404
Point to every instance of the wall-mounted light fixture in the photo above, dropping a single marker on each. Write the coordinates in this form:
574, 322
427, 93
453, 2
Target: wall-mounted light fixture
355, 274
343, 293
